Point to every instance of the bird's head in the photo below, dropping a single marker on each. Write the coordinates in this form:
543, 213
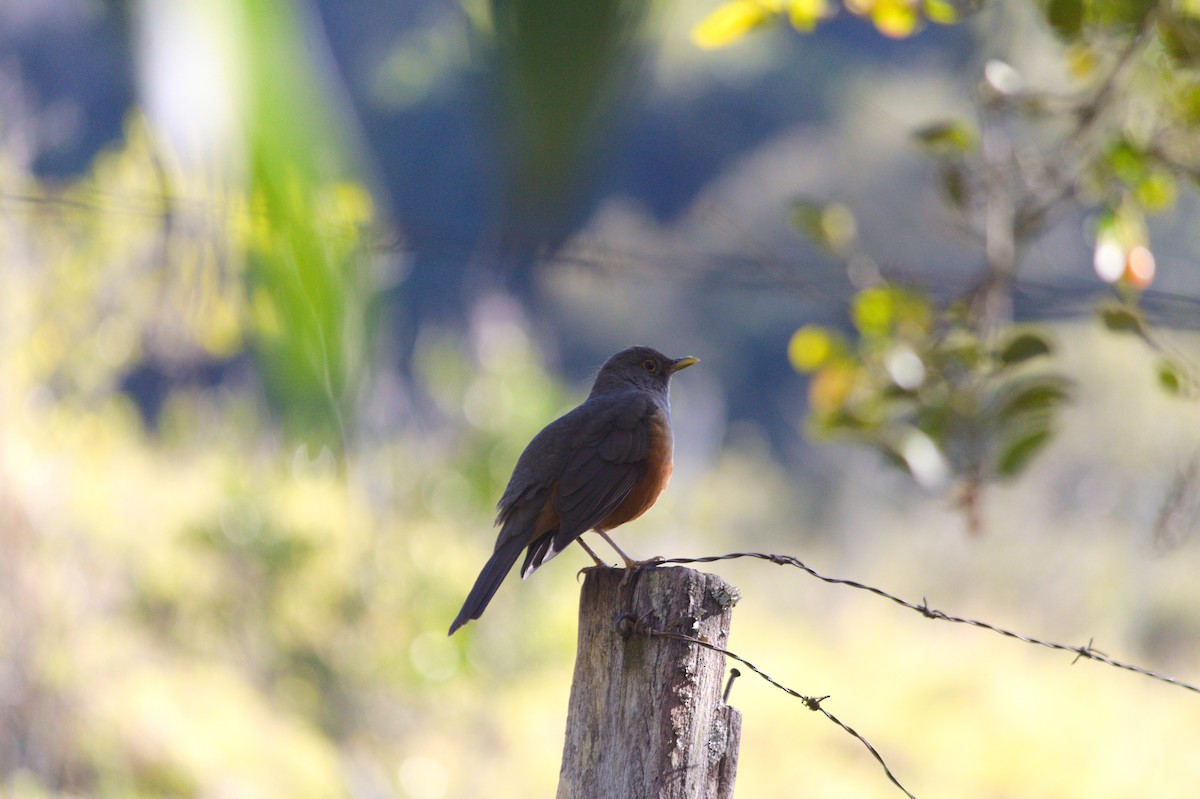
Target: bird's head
639, 367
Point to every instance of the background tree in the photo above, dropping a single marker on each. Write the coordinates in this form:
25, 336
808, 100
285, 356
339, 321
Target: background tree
947, 388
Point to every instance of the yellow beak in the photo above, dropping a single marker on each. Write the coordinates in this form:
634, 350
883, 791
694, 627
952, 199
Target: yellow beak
683, 363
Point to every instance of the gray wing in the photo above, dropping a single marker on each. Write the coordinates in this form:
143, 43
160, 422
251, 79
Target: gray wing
534, 476
594, 455
607, 462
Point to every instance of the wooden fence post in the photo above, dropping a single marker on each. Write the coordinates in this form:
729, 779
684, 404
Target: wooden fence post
647, 719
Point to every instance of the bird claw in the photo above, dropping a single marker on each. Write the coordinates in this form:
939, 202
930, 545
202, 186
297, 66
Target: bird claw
598, 565
633, 567
585, 569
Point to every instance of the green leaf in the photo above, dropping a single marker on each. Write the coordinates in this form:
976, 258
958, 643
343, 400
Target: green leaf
1128, 162
1171, 377
729, 23
812, 346
954, 185
1185, 100
948, 137
943, 12
1019, 400
1157, 191
1124, 13
1122, 319
1065, 17
805, 218
896, 19
1018, 452
840, 422
959, 347
805, 14
874, 310
831, 226
936, 421
1152, 185
1023, 346
1181, 38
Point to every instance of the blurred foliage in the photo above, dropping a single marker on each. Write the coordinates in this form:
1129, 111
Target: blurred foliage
308, 277
96, 283
202, 609
943, 404
173, 268
732, 20
190, 605
945, 393
562, 70
1176, 372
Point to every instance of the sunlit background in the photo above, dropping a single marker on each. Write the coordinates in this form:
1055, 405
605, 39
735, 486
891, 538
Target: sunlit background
286, 286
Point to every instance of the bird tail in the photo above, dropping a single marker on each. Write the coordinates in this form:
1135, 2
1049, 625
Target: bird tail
488, 582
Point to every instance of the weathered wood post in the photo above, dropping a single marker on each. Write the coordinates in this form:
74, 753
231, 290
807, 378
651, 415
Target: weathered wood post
647, 719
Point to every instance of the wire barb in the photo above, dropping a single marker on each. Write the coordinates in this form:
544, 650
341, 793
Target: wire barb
733, 675
1086, 651
628, 624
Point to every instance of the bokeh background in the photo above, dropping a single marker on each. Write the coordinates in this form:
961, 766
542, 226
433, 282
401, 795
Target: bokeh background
285, 287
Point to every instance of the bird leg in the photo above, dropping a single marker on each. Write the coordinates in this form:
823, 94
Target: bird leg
588, 550
631, 565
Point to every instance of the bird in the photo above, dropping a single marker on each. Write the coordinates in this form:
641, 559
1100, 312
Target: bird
594, 468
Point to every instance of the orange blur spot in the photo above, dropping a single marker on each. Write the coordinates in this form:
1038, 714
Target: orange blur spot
1139, 267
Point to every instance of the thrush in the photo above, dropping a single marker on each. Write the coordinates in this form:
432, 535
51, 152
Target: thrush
595, 468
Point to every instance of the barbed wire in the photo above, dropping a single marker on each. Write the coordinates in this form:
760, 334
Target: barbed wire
629, 624
1085, 651
1042, 299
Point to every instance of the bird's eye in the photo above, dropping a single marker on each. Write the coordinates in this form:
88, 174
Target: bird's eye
650, 365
